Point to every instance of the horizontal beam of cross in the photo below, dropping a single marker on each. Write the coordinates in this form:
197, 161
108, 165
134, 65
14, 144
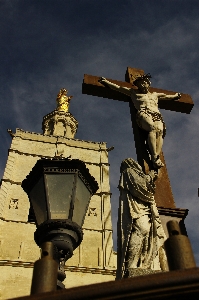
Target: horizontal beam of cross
91, 86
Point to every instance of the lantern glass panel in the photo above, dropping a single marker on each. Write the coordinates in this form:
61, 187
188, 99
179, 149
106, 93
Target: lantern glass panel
59, 188
37, 196
82, 197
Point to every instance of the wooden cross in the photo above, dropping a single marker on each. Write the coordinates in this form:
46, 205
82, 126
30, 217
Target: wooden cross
91, 86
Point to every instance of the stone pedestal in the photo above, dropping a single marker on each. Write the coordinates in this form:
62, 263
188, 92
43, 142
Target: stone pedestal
59, 123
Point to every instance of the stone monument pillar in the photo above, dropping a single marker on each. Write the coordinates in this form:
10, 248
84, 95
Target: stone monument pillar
94, 261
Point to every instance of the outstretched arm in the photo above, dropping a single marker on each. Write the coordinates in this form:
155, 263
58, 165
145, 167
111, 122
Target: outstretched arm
163, 96
113, 86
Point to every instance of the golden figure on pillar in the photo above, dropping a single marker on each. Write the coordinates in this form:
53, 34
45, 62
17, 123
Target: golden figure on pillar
63, 100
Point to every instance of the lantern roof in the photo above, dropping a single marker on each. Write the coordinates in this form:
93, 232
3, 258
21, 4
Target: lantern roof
61, 166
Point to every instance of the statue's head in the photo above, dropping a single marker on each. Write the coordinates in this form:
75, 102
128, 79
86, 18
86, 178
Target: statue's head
143, 82
130, 163
137, 176
62, 94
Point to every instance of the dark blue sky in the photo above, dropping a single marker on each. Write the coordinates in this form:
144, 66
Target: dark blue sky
47, 45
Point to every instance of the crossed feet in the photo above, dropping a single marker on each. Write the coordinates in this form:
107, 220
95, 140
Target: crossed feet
157, 163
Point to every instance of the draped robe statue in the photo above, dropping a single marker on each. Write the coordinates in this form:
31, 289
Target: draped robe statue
140, 233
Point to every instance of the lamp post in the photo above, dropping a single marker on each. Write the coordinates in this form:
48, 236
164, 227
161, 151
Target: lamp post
59, 191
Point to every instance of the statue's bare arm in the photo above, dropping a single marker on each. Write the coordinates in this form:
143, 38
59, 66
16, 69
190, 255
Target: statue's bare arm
113, 86
163, 96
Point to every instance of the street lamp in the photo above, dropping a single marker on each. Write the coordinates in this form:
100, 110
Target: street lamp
59, 191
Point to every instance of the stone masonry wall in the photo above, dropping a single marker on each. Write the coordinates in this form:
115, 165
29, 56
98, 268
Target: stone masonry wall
94, 261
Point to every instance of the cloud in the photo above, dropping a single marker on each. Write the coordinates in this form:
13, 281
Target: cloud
46, 47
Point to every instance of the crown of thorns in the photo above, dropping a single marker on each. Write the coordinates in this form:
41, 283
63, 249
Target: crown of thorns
142, 77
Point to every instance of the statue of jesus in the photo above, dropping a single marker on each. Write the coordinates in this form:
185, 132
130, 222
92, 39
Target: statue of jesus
148, 116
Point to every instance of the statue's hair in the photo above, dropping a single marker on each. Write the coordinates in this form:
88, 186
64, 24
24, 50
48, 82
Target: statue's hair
142, 77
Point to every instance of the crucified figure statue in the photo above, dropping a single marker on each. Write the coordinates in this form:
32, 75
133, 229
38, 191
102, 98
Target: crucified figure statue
148, 115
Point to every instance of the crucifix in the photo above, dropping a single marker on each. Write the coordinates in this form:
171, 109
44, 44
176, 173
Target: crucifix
92, 86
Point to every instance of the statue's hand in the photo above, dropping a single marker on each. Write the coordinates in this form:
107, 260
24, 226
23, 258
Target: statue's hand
101, 79
153, 175
177, 96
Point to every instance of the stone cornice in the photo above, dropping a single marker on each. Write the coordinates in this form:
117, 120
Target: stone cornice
41, 156
174, 212
84, 228
28, 135
24, 264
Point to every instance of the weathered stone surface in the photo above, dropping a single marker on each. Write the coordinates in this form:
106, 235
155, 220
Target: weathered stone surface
141, 272
17, 242
15, 281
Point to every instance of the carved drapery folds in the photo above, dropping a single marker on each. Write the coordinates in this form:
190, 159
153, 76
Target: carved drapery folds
140, 233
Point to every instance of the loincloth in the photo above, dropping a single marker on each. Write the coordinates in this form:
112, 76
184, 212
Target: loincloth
154, 115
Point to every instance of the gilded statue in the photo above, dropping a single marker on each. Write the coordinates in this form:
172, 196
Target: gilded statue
63, 100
